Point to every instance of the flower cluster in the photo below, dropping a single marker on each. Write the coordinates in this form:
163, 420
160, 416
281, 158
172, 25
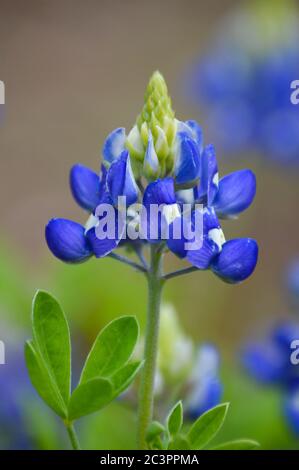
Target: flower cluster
163, 162
270, 363
244, 80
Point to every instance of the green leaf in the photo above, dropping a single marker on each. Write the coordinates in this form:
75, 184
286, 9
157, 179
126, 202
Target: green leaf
238, 444
175, 419
154, 430
42, 381
207, 426
52, 339
89, 397
112, 348
180, 442
124, 377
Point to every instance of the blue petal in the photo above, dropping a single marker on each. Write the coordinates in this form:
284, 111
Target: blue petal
196, 133
151, 162
206, 388
187, 167
291, 411
236, 192
112, 231
114, 144
202, 257
208, 186
264, 362
237, 260
285, 334
121, 181
85, 186
67, 241
183, 227
159, 192
206, 395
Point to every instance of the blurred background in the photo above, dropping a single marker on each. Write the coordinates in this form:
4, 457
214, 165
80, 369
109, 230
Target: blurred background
74, 71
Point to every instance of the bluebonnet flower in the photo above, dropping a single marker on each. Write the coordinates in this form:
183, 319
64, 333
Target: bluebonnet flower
205, 387
15, 387
161, 161
291, 410
270, 363
244, 81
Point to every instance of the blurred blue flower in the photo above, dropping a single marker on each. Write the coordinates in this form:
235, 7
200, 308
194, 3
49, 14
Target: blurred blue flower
291, 411
269, 362
14, 386
244, 80
206, 388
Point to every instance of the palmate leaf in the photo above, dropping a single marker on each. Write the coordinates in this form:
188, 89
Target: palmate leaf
238, 444
207, 426
105, 375
112, 348
52, 341
42, 380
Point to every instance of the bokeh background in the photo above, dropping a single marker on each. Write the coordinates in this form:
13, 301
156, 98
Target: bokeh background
74, 71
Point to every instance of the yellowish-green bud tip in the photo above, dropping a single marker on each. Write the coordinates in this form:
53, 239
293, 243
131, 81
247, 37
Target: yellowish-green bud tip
156, 118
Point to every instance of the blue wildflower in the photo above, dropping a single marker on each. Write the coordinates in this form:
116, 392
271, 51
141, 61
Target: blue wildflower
270, 363
15, 387
162, 162
291, 411
244, 81
206, 388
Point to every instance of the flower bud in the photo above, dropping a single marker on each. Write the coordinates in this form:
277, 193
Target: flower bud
157, 122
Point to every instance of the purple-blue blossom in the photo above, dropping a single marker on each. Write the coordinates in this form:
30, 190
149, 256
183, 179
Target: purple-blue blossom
164, 162
270, 362
205, 386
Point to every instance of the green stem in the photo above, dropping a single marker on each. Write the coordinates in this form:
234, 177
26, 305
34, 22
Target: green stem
146, 397
180, 272
73, 436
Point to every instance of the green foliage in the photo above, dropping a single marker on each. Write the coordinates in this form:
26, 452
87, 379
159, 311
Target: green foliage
112, 348
107, 371
238, 444
51, 337
201, 432
42, 381
175, 419
89, 397
207, 426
